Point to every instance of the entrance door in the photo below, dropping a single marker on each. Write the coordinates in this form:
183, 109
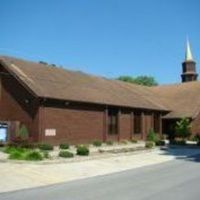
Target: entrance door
3, 132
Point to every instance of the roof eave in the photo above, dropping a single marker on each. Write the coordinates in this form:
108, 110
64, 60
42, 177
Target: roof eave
104, 104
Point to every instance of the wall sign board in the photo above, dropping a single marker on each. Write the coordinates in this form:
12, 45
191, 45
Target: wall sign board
50, 132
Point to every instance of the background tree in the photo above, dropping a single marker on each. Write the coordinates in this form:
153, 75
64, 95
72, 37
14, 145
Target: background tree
140, 80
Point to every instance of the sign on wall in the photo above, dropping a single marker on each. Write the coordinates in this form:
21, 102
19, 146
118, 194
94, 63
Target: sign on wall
50, 132
3, 134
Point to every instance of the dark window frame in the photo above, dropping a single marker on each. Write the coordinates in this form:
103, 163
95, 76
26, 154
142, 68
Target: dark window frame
137, 123
156, 122
113, 121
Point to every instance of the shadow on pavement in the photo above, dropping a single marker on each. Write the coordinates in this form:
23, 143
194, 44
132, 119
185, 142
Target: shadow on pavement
188, 153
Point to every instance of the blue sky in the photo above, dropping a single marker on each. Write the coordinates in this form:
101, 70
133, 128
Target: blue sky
103, 37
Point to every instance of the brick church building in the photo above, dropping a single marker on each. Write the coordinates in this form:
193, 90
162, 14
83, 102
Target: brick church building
58, 105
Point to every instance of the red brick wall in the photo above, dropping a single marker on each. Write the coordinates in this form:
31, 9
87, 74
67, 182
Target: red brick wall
72, 125
13, 106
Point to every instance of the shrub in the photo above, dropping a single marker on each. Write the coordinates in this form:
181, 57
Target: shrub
196, 138
8, 149
22, 144
11, 149
109, 142
82, 150
47, 147
17, 141
178, 142
16, 155
152, 136
160, 143
33, 156
28, 145
97, 143
22, 154
46, 154
149, 144
64, 146
134, 140
124, 142
193, 138
66, 154
162, 137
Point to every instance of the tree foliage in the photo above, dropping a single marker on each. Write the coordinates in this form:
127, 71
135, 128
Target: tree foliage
183, 128
140, 80
23, 132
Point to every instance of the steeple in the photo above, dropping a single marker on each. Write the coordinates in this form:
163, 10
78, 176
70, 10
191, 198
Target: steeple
188, 66
188, 52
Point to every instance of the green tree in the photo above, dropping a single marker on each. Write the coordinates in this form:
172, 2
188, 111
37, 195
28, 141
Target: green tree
140, 80
183, 128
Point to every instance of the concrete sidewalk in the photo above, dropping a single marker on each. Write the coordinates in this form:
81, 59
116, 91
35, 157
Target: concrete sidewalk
20, 176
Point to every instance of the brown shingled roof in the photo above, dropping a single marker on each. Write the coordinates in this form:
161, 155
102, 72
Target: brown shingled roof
182, 99
52, 82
